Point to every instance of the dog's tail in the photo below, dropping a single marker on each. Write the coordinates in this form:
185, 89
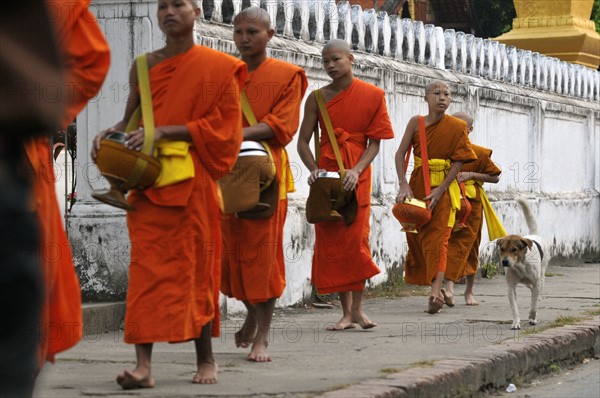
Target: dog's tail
531, 223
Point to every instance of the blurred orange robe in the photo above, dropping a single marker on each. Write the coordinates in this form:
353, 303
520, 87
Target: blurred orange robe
427, 249
342, 256
253, 264
87, 58
175, 237
463, 247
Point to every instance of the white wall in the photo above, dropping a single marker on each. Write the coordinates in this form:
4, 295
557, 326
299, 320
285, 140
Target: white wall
546, 142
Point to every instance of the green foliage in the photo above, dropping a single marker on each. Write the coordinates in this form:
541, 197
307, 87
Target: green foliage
596, 14
489, 270
493, 17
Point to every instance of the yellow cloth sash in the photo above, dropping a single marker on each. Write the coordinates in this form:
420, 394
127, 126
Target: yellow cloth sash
175, 161
438, 169
287, 178
470, 188
494, 226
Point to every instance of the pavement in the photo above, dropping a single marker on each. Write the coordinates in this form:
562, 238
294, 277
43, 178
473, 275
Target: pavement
410, 353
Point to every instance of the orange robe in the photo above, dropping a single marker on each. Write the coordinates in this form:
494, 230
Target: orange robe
175, 237
253, 263
87, 58
463, 247
427, 249
342, 256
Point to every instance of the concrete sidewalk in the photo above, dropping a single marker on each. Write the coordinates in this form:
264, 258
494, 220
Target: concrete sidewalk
410, 353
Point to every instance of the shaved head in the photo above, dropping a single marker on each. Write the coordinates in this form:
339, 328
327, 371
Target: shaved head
254, 14
435, 83
337, 44
463, 116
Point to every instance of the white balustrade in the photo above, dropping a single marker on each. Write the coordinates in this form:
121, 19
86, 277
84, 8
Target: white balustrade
384, 34
320, 20
513, 64
420, 41
539, 77
345, 26
450, 60
461, 48
502, 62
371, 31
430, 45
358, 26
411, 41
471, 54
397, 40
408, 47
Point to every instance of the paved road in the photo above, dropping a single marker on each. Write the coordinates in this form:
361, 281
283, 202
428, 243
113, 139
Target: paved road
581, 381
308, 360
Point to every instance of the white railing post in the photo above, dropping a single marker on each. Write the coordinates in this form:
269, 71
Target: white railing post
408, 30
304, 18
450, 60
460, 41
237, 7
358, 24
420, 41
288, 16
397, 38
217, 14
345, 27
320, 20
385, 27
370, 21
440, 47
271, 7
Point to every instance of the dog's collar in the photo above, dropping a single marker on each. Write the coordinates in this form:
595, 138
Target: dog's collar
539, 249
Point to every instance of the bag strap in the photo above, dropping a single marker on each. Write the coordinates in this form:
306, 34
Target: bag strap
146, 98
247, 110
147, 114
251, 119
424, 155
329, 128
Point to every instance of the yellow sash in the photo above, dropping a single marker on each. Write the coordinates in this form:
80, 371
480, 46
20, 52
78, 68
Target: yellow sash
176, 162
494, 226
287, 178
438, 169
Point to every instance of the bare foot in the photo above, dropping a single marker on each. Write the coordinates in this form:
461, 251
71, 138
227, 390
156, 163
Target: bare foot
435, 305
448, 298
470, 300
133, 380
343, 324
362, 319
206, 374
259, 352
245, 336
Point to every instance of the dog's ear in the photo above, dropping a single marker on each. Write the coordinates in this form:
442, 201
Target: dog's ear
527, 242
499, 242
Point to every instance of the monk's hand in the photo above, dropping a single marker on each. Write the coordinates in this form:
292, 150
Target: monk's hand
99, 137
314, 175
404, 193
135, 139
463, 176
351, 179
434, 197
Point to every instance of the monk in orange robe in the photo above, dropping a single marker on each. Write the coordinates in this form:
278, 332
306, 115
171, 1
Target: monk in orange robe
175, 237
87, 58
253, 263
448, 149
342, 259
463, 247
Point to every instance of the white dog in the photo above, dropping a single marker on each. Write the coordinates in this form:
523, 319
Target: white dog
525, 259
